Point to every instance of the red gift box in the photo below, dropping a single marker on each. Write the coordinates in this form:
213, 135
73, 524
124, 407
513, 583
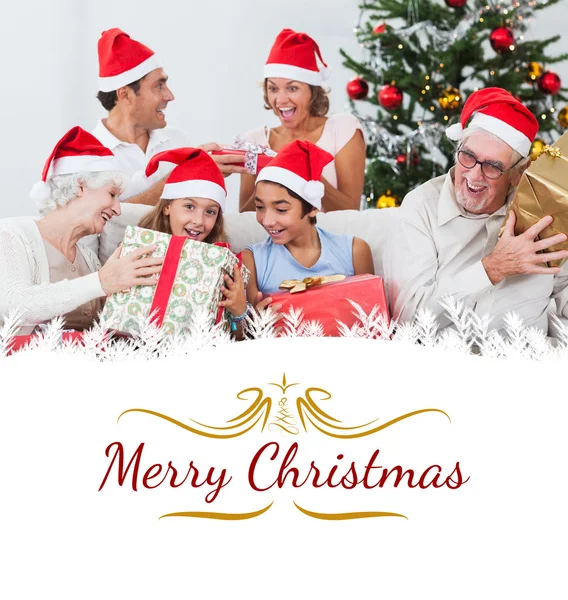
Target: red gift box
19, 342
255, 157
329, 303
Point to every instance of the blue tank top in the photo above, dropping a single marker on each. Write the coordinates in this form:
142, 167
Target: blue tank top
274, 263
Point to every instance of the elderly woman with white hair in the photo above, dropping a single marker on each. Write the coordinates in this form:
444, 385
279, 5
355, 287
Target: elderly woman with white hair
46, 270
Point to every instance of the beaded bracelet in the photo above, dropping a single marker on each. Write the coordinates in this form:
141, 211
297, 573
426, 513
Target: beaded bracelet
234, 320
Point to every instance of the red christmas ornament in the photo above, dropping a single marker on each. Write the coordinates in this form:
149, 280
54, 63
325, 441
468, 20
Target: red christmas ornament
378, 29
456, 3
401, 159
502, 39
549, 83
390, 97
357, 88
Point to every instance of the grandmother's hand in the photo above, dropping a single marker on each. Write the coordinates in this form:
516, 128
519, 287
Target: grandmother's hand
122, 273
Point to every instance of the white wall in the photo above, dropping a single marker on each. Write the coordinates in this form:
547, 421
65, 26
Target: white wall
214, 51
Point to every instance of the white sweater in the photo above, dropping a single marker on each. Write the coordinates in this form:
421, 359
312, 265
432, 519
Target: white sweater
24, 277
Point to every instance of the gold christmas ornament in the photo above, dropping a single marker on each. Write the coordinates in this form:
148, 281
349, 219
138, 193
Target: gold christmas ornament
563, 117
536, 148
450, 99
534, 71
388, 200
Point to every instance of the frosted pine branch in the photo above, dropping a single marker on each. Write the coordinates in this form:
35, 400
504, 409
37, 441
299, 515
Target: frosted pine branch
370, 326
9, 329
261, 324
427, 326
293, 322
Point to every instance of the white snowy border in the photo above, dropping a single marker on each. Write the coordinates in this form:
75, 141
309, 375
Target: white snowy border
470, 334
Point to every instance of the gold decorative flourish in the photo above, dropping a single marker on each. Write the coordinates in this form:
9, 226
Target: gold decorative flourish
283, 386
552, 151
309, 410
348, 515
284, 418
258, 411
220, 516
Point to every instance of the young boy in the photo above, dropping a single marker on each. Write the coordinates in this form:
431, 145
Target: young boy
288, 196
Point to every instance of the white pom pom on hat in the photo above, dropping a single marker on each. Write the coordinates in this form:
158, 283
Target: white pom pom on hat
455, 132
298, 166
40, 193
313, 192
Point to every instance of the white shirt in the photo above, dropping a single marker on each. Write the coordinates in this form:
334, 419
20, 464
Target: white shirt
133, 159
436, 249
25, 283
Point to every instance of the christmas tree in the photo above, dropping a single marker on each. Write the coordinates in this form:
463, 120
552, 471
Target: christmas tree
422, 58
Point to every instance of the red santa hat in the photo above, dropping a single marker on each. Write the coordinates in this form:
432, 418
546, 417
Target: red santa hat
77, 151
298, 166
293, 56
497, 111
196, 175
123, 60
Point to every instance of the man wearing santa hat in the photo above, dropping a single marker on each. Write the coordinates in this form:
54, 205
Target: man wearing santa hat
134, 89
447, 242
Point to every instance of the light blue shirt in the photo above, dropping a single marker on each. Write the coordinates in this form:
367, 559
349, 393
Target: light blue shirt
274, 263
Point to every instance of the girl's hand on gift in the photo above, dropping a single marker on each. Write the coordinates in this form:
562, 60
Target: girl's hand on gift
234, 291
121, 273
261, 303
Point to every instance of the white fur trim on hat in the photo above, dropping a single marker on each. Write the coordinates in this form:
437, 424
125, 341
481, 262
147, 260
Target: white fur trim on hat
310, 191
195, 188
87, 163
517, 140
296, 73
110, 84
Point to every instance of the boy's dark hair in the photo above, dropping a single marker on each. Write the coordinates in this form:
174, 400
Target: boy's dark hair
109, 99
306, 206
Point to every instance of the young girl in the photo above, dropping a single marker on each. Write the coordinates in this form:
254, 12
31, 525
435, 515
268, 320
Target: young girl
287, 197
192, 205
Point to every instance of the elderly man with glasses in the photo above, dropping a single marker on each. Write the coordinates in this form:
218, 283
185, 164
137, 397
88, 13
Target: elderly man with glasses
446, 241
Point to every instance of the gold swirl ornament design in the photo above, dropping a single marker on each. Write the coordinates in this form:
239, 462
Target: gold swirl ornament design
283, 418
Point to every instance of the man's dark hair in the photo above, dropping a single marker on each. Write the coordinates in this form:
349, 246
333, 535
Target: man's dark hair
109, 99
306, 206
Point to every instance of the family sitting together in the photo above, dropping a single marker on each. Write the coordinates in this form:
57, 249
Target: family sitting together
448, 240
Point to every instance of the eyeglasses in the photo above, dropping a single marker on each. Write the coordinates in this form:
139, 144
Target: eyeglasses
490, 170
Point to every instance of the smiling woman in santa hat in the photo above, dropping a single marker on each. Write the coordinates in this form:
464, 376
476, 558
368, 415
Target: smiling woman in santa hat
288, 196
47, 271
293, 78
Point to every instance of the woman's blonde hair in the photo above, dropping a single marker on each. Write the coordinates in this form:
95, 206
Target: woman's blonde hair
319, 103
157, 220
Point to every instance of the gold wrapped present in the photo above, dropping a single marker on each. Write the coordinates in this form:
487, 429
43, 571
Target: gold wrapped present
542, 191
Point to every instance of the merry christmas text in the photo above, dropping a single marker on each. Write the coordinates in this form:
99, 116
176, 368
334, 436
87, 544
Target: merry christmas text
272, 467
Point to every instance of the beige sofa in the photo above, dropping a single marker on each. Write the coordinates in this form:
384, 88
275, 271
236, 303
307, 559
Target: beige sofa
373, 226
